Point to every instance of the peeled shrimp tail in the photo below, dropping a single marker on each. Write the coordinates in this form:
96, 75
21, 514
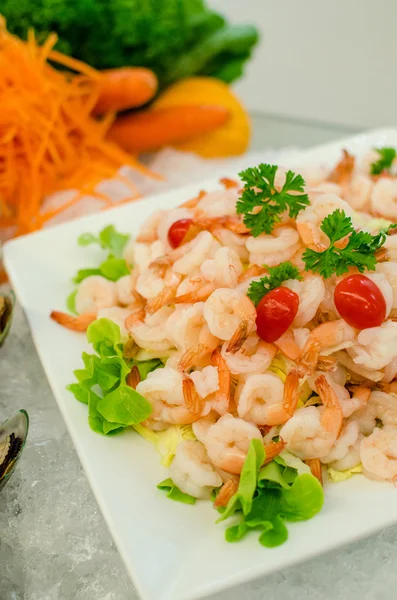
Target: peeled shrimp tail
192, 400
225, 379
273, 449
228, 490
332, 418
133, 377
79, 323
193, 356
244, 329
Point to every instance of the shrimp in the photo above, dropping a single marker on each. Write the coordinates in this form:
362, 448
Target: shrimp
358, 371
95, 292
311, 292
359, 191
149, 284
232, 240
266, 400
224, 269
163, 388
391, 246
219, 203
309, 220
379, 407
202, 426
144, 254
192, 471
195, 288
230, 316
312, 431
205, 381
326, 338
385, 287
229, 488
343, 444
168, 219
375, 347
191, 255
167, 295
342, 172
227, 442
184, 326
349, 404
79, 323
384, 198
352, 457
125, 291
378, 453
255, 356
275, 248
150, 332
389, 270
148, 230
117, 314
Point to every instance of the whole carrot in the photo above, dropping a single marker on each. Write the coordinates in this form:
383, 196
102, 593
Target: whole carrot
127, 87
152, 129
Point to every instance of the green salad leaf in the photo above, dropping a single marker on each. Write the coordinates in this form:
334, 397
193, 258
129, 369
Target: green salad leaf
108, 239
101, 383
71, 302
385, 160
268, 497
174, 493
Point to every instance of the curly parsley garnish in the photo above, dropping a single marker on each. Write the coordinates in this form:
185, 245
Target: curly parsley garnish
262, 204
359, 251
276, 276
387, 155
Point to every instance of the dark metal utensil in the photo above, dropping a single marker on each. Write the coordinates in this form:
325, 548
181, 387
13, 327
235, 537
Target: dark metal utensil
13, 433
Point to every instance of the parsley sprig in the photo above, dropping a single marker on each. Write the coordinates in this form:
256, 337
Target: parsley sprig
385, 161
276, 276
359, 251
262, 204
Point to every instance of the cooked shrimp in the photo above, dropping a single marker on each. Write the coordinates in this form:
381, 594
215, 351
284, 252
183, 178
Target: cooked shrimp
219, 203
169, 218
288, 345
148, 229
379, 407
309, 220
184, 326
163, 388
205, 381
351, 459
384, 198
389, 270
221, 401
391, 246
149, 284
167, 294
95, 292
359, 191
144, 254
232, 240
349, 404
125, 291
79, 323
150, 333
192, 472
117, 314
342, 172
385, 287
254, 356
266, 400
191, 255
312, 431
315, 467
229, 488
378, 453
202, 426
227, 442
223, 269
311, 292
275, 248
376, 346
343, 444
326, 338
230, 316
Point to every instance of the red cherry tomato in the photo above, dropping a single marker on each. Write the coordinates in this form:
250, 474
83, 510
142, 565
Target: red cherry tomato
275, 313
360, 302
177, 232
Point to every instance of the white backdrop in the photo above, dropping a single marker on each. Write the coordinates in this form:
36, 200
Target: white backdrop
334, 61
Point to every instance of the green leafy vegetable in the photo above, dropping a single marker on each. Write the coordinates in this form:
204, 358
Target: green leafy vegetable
84, 273
174, 493
175, 38
71, 302
359, 251
262, 204
269, 496
277, 275
109, 239
114, 268
112, 405
385, 161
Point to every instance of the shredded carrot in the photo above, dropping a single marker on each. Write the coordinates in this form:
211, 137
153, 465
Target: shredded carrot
49, 141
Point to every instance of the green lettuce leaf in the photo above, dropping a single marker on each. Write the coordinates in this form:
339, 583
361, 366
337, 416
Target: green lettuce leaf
174, 493
71, 302
114, 268
109, 239
269, 496
84, 273
124, 405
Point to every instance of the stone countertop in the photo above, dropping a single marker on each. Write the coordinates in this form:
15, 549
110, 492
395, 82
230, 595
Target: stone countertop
54, 543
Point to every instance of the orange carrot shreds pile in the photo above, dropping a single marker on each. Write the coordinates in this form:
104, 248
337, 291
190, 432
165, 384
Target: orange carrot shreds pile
48, 140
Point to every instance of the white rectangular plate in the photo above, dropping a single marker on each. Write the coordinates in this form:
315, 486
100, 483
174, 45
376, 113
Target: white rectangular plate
172, 551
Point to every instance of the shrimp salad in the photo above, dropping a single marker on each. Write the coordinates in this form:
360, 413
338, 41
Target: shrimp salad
251, 335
